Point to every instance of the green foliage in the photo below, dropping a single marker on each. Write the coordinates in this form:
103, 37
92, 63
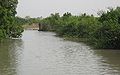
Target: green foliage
108, 34
51, 22
20, 21
8, 26
101, 32
30, 20
2, 34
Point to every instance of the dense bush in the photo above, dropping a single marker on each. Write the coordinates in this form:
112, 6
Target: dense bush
8, 25
101, 32
108, 34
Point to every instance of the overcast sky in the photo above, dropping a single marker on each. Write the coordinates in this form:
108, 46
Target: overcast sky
37, 8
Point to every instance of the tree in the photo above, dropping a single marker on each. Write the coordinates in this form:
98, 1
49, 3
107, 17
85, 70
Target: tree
108, 34
7, 16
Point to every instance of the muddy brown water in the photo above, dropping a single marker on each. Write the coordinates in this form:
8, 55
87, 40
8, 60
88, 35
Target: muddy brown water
41, 53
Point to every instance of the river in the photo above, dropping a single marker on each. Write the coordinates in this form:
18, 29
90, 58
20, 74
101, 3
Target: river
42, 53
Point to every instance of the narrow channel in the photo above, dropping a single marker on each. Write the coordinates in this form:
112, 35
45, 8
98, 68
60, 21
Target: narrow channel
42, 53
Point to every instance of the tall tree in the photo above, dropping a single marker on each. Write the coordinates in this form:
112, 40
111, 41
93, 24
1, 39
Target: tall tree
8, 26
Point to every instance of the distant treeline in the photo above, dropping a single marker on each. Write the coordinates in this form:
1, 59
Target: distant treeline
101, 32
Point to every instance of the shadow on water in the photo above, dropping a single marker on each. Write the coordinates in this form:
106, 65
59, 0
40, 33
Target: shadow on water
9, 53
85, 61
111, 58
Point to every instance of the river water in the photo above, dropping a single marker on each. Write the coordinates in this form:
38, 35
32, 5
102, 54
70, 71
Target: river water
42, 53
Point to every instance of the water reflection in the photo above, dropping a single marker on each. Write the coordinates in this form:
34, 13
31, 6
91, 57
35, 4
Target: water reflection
9, 56
111, 59
41, 53
79, 59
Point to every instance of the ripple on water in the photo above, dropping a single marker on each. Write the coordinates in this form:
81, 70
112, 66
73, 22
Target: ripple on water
41, 53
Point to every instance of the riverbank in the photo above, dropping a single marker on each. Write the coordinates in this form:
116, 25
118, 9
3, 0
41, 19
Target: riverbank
85, 41
100, 31
33, 26
78, 40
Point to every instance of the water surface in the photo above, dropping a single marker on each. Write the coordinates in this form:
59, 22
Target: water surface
41, 53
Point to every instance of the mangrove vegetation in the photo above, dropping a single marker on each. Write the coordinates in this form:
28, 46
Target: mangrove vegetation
100, 32
10, 25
